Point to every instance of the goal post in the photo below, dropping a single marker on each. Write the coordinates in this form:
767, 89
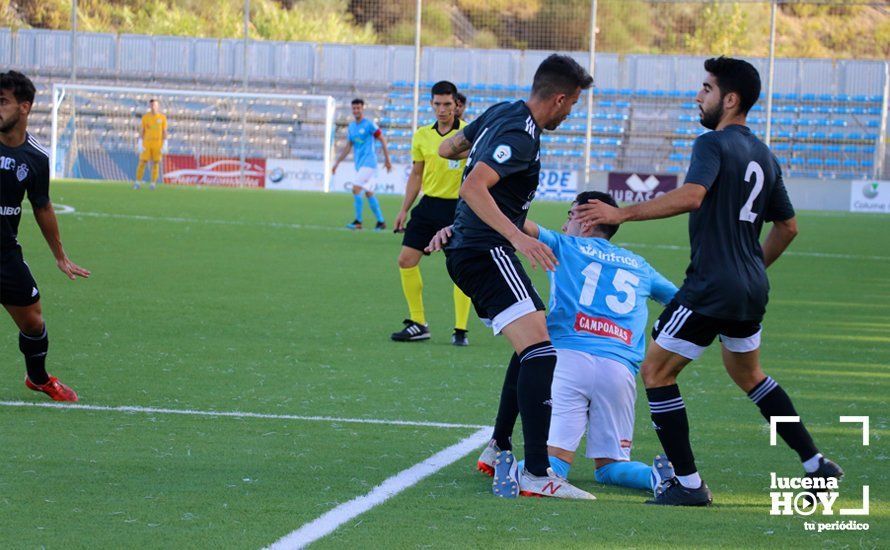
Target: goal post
214, 138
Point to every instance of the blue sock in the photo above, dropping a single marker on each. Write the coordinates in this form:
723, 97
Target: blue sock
357, 202
560, 466
375, 207
635, 475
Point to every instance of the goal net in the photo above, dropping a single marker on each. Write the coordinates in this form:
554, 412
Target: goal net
213, 138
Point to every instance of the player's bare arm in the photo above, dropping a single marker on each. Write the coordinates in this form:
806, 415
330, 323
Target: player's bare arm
456, 147
412, 189
343, 153
440, 239
778, 239
386, 161
679, 201
49, 226
475, 191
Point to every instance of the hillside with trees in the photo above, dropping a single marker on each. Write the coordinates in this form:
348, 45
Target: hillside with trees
850, 29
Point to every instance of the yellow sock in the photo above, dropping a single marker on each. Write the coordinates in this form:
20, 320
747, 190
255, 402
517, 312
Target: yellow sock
461, 309
412, 286
140, 170
155, 171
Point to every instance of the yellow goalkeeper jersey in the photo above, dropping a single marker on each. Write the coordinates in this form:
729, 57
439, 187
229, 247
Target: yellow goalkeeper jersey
441, 177
153, 127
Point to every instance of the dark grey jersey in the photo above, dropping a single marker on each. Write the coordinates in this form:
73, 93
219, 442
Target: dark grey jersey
23, 169
726, 277
507, 139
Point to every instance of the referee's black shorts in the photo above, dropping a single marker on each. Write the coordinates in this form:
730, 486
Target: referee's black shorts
429, 216
496, 282
17, 285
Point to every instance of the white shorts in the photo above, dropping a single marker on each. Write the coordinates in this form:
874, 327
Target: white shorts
594, 394
365, 178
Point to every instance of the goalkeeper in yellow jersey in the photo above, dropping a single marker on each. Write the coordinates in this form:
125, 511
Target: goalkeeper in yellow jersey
152, 136
439, 179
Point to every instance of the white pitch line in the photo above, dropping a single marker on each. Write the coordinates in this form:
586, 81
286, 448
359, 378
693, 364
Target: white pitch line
330, 521
279, 225
207, 221
238, 414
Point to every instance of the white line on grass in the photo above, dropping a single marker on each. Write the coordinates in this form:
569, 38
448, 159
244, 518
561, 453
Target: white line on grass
332, 228
238, 414
330, 521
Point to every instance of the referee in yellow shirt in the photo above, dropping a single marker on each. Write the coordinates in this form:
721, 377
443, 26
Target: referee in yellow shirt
439, 179
152, 135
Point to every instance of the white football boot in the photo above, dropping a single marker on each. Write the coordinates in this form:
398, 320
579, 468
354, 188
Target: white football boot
550, 485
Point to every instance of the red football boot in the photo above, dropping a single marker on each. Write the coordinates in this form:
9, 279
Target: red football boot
53, 388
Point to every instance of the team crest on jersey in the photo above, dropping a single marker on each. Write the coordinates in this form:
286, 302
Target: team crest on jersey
502, 154
22, 172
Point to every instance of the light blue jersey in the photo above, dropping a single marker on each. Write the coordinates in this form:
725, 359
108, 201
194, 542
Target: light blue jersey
598, 298
361, 135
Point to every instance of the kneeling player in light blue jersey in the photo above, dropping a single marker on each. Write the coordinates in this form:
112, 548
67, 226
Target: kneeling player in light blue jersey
597, 322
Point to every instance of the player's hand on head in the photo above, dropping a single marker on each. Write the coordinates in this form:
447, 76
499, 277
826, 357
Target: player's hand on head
538, 253
71, 269
439, 240
596, 212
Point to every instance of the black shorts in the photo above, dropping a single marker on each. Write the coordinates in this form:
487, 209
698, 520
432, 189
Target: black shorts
429, 216
685, 332
17, 285
496, 283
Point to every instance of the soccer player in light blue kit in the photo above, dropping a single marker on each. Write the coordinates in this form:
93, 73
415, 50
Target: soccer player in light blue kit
597, 322
361, 135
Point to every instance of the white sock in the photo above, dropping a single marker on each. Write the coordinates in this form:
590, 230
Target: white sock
692, 481
812, 464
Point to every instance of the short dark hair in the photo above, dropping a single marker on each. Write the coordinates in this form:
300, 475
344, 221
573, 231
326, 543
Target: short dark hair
21, 86
153, 100
559, 74
461, 98
358, 101
443, 87
585, 196
738, 76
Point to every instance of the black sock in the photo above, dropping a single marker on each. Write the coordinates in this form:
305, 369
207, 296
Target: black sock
34, 349
535, 377
772, 400
672, 426
508, 408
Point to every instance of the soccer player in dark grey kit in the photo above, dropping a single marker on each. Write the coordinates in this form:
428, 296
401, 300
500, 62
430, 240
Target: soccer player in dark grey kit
24, 168
503, 167
734, 185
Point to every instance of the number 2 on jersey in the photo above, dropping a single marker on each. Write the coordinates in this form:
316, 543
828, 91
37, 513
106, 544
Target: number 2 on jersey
746, 214
624, 281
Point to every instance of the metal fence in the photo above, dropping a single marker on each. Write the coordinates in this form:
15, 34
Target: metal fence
824, 105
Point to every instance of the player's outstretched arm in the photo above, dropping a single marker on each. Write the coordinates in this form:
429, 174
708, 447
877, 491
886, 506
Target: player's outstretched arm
531, 229
679, 201
49, 226
778, 239
456, 147
475, 192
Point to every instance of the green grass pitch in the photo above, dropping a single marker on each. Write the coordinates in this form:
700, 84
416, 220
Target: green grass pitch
260, 301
